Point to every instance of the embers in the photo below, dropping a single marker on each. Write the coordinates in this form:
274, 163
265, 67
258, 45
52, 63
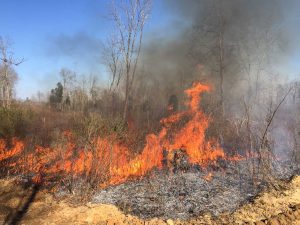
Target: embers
175, 160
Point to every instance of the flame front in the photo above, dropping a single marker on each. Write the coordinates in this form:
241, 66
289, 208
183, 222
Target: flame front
108, 158
191, 137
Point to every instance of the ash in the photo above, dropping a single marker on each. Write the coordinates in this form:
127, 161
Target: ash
183, 194
285, 170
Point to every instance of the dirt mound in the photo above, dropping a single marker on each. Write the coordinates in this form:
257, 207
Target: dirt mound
31, 205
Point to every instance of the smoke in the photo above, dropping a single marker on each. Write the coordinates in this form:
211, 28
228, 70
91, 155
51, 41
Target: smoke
259, 38
257, 45
79, 52
80, 47
255, 32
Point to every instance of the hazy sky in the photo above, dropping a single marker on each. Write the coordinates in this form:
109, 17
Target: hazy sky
51, 34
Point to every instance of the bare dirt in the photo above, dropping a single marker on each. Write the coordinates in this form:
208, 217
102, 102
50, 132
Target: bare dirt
31, 205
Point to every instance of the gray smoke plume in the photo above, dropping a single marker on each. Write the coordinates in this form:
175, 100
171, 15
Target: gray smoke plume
259, 38
257, 41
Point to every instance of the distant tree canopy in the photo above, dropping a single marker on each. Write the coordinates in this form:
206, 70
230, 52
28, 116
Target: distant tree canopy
8, 75
8, 79
56, 95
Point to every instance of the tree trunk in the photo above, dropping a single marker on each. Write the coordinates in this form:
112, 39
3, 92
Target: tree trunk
221, 58
125, 110
6, 94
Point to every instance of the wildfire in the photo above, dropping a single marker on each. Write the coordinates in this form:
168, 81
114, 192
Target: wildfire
190, 137
17, 147
107, 156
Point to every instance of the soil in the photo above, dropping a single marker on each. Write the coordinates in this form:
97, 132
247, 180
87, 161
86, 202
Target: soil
32, 205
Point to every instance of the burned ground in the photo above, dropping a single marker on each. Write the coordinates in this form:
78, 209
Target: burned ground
269, 207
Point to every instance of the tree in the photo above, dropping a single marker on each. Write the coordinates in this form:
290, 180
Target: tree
8, 76
112, 59
93, 89
129, 17
56, 95
234, 45
211, 46
40, 96
68, 79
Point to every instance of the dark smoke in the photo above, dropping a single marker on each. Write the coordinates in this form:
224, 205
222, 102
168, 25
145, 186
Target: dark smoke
255, 32
259, 39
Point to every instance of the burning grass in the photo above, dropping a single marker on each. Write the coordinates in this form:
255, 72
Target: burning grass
178, 172
108, 159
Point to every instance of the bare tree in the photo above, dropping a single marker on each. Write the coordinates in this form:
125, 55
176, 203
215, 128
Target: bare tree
40, 96
68, 79
8, 76
129, 17
112, 59
211, 46
80, 95
220, 38
93, 89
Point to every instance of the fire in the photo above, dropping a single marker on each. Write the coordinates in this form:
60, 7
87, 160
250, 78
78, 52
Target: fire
17, 147
107, 157
190, 137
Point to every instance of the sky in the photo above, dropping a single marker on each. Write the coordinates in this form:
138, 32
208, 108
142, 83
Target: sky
52, 34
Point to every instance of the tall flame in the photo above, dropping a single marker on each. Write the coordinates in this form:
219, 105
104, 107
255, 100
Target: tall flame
191, 137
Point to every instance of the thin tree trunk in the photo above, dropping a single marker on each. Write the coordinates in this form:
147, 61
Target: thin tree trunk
221, 58
125, 110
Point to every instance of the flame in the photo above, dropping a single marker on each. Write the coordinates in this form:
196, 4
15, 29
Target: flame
109, 159
190, 137
208, 177
17, 147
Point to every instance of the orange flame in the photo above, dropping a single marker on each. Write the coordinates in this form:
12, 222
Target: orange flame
108, 156
17, 147
191, 137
